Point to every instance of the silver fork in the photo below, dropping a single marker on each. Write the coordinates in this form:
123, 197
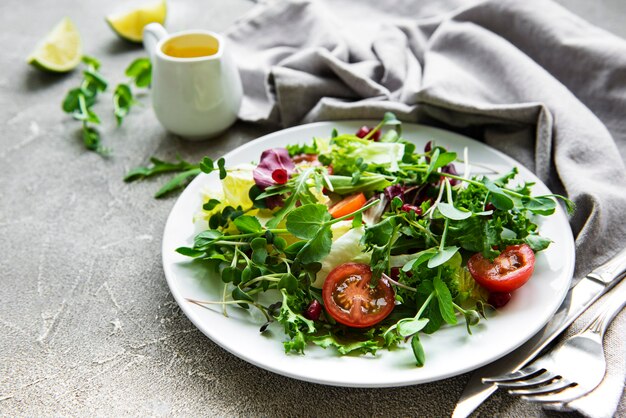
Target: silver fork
571, 369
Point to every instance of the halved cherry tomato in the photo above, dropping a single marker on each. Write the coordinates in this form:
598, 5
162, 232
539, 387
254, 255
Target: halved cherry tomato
309, 158
508, 271
347, 206
350, 300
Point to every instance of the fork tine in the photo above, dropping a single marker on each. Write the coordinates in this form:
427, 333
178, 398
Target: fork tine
537, 380
552, 387
566, 395
520, 374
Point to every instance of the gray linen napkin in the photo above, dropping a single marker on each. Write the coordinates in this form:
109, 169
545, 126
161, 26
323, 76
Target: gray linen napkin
528, 78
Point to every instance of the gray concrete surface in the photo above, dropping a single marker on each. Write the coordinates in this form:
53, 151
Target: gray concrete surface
87, 323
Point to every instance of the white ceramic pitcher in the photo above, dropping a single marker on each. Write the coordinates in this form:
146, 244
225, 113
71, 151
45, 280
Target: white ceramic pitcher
196, 89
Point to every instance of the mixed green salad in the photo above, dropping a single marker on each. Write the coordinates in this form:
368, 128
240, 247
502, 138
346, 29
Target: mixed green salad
365, 241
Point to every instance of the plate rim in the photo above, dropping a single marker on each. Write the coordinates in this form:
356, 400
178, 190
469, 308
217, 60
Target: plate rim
198, 323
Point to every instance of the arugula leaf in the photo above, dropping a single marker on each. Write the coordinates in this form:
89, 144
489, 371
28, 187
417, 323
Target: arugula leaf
380, 233
540, 205
506, 177
570, 206
537, 242
157, 167
187, 171
380, 238
295, 324
179, 181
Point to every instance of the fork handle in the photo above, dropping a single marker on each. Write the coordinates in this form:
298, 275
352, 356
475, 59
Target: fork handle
614, 304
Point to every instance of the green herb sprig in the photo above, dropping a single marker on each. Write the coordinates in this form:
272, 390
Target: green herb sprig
140, 73
79, 103
186, 172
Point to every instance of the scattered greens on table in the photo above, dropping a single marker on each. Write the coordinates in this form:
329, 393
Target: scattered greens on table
271, 232
79, 101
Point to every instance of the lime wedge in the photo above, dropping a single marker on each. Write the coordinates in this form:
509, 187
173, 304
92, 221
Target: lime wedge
129, 24
61, 49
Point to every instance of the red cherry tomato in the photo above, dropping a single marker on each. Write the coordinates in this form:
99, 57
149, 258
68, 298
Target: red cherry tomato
508, 271
350, 300
309, 158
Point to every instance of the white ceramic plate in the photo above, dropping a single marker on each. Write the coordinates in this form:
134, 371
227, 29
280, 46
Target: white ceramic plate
449, 352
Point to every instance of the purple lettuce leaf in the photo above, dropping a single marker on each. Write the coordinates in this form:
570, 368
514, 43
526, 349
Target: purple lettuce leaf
272, 159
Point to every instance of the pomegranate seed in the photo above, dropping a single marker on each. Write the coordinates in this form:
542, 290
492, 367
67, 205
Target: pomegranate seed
313, 311
280, 176
489, 206
411, 208
428, 147
499, 299
364, 130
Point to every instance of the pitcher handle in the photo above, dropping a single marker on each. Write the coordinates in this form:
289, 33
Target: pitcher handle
152, 34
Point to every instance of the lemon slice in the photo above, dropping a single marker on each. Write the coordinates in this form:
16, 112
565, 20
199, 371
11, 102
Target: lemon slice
61, 49
129, 24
